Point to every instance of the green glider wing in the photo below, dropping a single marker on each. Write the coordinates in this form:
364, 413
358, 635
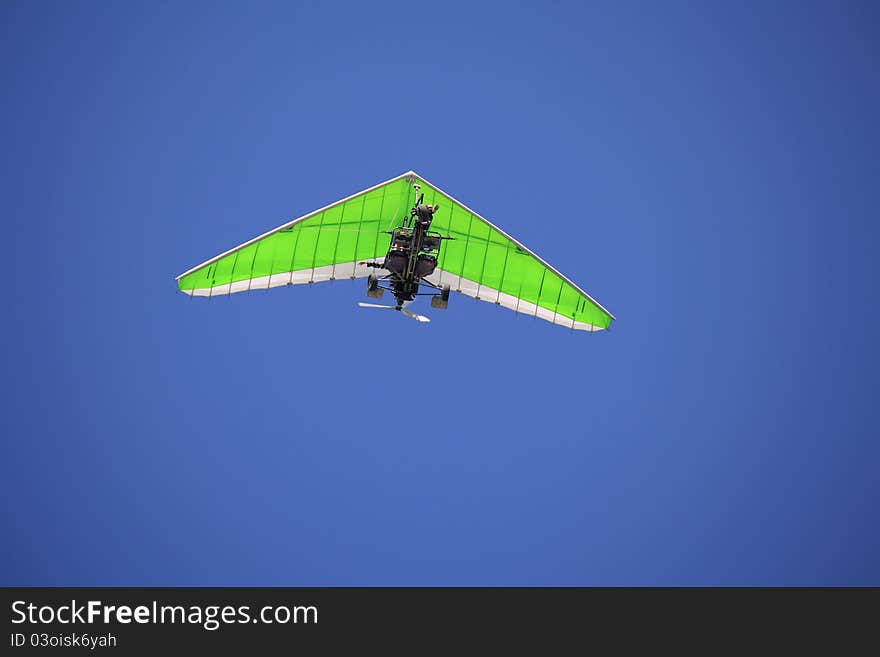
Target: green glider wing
481, 261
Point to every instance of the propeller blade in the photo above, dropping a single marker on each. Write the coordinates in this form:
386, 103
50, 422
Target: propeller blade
418, 318
375, 305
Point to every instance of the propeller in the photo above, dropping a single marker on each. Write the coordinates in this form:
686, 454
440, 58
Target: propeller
411, 315
418, 318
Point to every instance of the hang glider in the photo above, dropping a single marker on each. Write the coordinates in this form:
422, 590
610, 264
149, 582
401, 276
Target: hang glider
437, 245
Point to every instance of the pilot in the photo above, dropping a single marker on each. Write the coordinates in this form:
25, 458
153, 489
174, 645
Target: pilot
426, 213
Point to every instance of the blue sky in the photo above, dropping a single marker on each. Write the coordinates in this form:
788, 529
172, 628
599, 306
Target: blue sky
707, 171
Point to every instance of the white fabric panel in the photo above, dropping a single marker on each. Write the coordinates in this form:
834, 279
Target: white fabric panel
485, 293
440, 277
346, 270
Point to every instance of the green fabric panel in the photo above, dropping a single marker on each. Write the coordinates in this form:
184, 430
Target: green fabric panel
491, 275
244, 263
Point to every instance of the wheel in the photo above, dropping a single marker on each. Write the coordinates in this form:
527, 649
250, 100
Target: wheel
441, 300
373, 289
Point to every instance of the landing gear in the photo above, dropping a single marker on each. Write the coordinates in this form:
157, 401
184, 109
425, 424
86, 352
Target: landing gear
441, 300
373, 289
